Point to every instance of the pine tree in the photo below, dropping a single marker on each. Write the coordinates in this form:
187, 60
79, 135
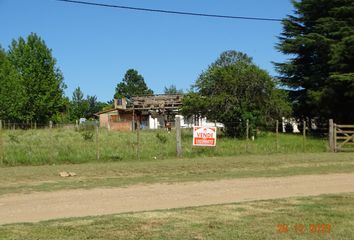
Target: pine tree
320, 40
133, 84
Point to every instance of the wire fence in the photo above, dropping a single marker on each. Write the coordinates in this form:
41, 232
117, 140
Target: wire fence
38, 144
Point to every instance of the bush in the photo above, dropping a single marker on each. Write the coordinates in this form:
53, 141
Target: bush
87, 135
162, 138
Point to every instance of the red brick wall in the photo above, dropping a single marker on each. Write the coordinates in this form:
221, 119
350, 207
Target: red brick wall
121, 126
121, 122
104, 120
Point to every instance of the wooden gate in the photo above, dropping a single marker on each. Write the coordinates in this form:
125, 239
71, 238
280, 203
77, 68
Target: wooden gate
341, 137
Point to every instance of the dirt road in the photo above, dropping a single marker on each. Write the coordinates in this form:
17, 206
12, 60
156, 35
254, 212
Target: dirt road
75, 203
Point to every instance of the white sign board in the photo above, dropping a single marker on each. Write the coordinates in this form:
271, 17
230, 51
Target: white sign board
204, 136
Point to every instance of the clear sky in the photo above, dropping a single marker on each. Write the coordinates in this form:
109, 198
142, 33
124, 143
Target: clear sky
95, 46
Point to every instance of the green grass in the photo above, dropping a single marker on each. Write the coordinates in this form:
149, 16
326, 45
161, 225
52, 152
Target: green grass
60, 146
117, 174
249, 220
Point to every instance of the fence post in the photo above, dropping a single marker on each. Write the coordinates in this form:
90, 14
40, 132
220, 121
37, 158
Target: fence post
97, 146
247, 134
77, 124
303, 135
1, 145
50, 124
335, 137
138, 140
35, 124
330, 136
277, 135
178, 137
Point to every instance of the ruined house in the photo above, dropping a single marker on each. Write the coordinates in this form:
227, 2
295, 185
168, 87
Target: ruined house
149, 112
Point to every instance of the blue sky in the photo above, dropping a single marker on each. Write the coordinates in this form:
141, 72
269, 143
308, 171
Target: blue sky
94, 46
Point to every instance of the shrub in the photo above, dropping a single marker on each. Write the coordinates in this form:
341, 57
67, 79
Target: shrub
162, 138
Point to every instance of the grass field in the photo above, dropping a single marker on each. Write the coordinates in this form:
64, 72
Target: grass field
45, 153
321, 217
60, 146
116, 174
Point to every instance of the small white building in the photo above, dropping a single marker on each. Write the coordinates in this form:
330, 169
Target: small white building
158, 122
199, 121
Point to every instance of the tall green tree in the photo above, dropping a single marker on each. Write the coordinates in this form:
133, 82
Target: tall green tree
133, 84
94, 106
232, 90
12, 96
79, 105
319, 38
40, 79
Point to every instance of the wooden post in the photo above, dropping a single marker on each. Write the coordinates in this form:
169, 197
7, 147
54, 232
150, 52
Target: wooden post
1, 145
35, 124
330, 136
335, 137
277, 135
247, 130
138, 140
303, 135
97, 146
247, 134
77, 124
178, 137
50, 124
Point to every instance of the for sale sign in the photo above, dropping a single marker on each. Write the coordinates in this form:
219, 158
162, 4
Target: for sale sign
204, 136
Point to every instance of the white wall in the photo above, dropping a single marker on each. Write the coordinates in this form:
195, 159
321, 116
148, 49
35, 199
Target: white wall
200, 122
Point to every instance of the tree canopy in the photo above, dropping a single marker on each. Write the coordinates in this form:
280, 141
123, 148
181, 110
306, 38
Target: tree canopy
81, 107
172, 89
232, 90
32, 86
11, 91
319, 38
133, 84
78, 104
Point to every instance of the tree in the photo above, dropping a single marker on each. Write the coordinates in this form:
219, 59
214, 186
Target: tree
320, 40
231, 57
79, 105
232, 90
172, 89
40, 80
133, 84
11, 92
94, 106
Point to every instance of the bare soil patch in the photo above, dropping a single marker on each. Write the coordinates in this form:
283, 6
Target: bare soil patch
77, 203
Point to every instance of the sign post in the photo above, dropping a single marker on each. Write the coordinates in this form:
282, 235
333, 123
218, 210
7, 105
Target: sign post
204, 136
